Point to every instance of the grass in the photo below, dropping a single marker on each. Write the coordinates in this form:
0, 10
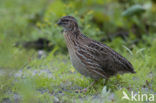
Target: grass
25, 78
53, 78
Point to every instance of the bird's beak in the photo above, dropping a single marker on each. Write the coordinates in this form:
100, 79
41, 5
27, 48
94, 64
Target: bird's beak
59, 23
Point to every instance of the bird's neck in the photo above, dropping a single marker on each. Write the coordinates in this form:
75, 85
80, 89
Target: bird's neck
74, 33
70, 39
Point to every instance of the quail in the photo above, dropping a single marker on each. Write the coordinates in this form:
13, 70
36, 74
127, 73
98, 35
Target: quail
89, 57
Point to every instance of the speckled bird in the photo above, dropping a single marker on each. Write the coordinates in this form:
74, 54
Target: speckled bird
89, 57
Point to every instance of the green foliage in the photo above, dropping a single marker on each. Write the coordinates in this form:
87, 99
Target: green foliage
136, 9
25, 78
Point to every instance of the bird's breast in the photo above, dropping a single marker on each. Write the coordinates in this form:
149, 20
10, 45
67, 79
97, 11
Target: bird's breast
76, 62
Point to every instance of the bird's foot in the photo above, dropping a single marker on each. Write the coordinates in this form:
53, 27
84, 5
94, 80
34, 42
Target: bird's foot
85, 89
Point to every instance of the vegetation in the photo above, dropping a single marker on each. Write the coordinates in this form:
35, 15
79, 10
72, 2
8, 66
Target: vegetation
47, 76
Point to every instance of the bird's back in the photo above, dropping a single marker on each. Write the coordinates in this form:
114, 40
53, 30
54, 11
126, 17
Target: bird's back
101, 58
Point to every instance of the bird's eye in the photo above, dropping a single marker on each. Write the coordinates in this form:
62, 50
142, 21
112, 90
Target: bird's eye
66, 20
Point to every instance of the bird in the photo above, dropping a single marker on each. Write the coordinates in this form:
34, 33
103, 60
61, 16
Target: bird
89, 57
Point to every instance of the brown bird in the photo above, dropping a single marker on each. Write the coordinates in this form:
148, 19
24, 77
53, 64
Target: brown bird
92, 58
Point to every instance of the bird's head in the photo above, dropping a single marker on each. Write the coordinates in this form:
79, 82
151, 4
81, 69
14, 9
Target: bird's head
69, 23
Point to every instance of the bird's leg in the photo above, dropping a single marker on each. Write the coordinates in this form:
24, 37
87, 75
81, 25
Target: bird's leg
91, 84
85, 89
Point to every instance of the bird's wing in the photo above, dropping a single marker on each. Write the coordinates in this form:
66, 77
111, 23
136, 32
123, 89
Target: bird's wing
102, 59
116, 62
122, 63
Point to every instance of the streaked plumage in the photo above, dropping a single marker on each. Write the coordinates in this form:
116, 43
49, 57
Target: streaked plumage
89, 57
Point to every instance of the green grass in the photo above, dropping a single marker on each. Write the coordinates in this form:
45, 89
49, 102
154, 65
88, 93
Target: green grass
53, 78
25, 78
